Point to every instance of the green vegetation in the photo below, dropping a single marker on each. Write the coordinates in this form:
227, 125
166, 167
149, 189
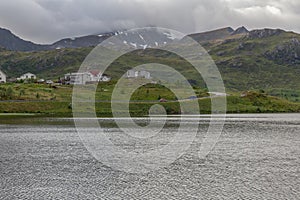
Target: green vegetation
290, 95
50, 64
255, 102
18, 91
39, 99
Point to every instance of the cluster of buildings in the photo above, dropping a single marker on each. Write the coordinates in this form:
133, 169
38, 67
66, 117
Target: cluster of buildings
27, 76
79, 78
69, 79
85, 77
82, 78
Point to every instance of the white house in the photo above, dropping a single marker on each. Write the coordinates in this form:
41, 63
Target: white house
27, 76
138, 74
145, 74
85, 77
2, 77
131, 74
78, 78
97, 76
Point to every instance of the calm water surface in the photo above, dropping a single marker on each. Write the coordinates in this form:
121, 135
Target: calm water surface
256, 157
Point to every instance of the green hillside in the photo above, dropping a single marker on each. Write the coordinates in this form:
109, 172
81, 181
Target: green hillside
45, 64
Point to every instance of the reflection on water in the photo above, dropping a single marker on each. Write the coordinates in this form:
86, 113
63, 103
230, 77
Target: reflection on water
257, 157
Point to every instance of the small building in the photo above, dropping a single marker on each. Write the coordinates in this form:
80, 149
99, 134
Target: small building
138, 74
131, 74
145, 74
27, 76
163, 100
105, 78
95, 75
78, 78
193, 97
49, 82
40, 81
2, 77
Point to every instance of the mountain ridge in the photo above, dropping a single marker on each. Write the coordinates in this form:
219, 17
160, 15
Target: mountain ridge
10, 41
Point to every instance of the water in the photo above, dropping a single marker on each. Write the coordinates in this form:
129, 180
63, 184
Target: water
256, 157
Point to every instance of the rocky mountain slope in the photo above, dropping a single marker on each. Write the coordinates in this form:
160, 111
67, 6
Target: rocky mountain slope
11, 42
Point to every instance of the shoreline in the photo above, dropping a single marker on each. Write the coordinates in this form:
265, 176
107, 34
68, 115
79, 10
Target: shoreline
70, 115
40, 120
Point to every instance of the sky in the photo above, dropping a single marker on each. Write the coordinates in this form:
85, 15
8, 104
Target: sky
46, 21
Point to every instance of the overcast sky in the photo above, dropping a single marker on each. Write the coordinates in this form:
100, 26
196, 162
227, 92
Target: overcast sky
45, 21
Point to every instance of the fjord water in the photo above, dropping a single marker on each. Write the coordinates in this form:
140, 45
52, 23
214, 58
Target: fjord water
256, 157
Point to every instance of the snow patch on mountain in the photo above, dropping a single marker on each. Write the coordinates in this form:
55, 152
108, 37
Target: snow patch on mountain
144, 46
141, 37
173, 35
133, 44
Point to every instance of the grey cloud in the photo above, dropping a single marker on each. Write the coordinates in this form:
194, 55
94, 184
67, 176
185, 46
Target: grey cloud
45, 21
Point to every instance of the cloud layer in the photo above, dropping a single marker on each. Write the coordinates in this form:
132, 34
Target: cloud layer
45, 21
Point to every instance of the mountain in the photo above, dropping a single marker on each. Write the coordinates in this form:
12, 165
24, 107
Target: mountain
240, 30
11, 42
150, 37
213, 35
261, 59
85, 41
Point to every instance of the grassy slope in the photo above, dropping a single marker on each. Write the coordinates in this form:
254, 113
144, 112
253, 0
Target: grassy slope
60, 106
248, 68
46, 64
